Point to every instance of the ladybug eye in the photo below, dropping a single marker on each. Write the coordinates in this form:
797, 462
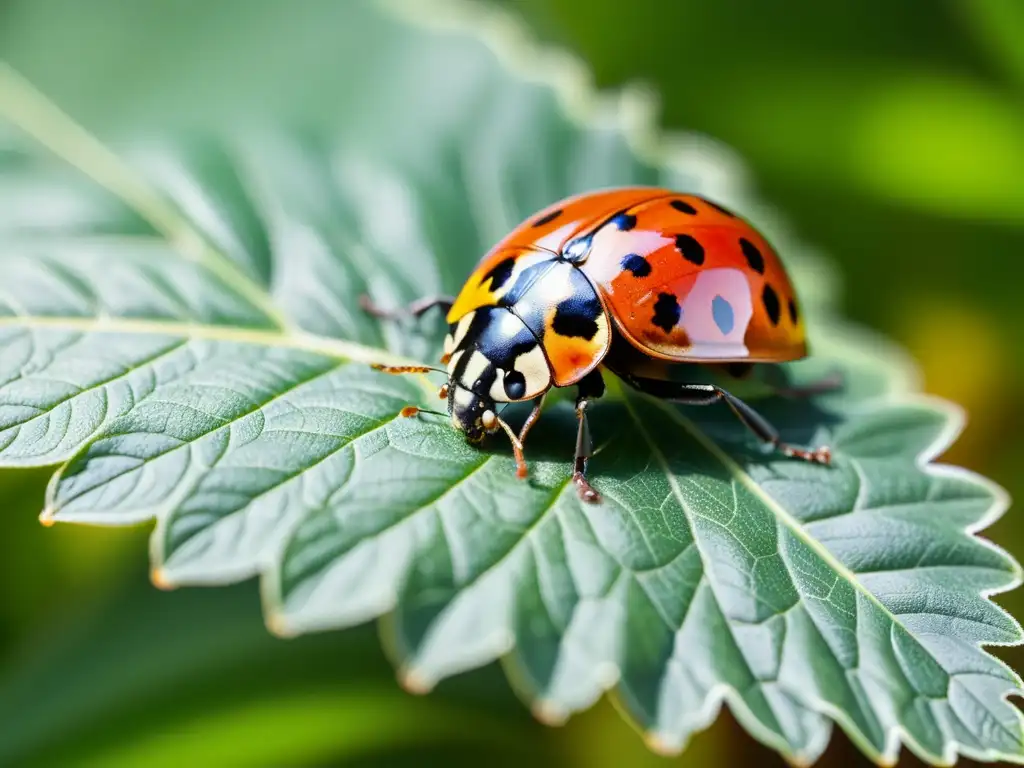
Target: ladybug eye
488, 419
515, 384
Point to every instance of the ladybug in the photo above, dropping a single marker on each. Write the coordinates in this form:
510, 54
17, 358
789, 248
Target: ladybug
636, 280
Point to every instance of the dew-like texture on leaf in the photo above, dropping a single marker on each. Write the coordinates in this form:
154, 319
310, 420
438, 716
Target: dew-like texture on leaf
180, 331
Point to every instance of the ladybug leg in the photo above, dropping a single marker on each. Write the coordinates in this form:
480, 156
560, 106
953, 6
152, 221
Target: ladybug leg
706, 394
416, 309
531, 419
584, 448
590, 387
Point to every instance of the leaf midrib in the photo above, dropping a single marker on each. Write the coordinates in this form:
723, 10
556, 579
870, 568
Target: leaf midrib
40, 118
27, 108
278, 339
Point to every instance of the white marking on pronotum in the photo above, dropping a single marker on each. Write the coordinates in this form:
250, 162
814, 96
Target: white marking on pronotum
475, 367
463, 399
453, 361
498, 387
461, 328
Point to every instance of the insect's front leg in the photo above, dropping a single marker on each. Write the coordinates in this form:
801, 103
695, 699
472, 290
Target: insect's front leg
531, 419
590, 388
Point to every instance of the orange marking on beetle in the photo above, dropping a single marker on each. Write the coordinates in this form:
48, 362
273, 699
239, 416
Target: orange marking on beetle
571, 357
473, 296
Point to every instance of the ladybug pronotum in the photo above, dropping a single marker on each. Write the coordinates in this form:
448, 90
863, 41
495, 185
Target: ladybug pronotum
636, 280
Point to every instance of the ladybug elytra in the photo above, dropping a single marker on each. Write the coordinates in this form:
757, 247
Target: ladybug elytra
636, 280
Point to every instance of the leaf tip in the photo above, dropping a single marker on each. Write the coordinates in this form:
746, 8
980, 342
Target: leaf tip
802, 761
160, 579
415, 682
607, 674
659, 744
278, 625
549, 713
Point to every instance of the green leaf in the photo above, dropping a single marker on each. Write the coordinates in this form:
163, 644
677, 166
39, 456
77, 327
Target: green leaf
179, 330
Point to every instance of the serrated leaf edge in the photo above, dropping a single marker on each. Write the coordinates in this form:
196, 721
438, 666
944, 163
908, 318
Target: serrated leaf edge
897, 735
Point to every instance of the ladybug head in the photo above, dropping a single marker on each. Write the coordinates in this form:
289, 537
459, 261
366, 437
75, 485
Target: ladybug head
471, 413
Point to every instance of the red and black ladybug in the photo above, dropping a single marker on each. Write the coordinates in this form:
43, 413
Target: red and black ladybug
636, 280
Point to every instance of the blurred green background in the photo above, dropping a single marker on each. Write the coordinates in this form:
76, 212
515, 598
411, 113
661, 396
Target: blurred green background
890, 133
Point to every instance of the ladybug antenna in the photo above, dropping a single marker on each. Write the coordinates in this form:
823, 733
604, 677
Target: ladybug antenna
397, 369
412, 410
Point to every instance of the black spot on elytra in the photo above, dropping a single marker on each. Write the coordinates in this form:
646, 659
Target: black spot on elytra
636, 264
754, 257
548, 218
577, 318
624, 221
771, 303
792, 312
666, 312
690, 249
515, 384
500, 273
720, 208
683, 207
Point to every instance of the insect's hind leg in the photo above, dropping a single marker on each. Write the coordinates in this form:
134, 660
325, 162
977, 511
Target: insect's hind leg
415, 309
590, 387
706, 394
